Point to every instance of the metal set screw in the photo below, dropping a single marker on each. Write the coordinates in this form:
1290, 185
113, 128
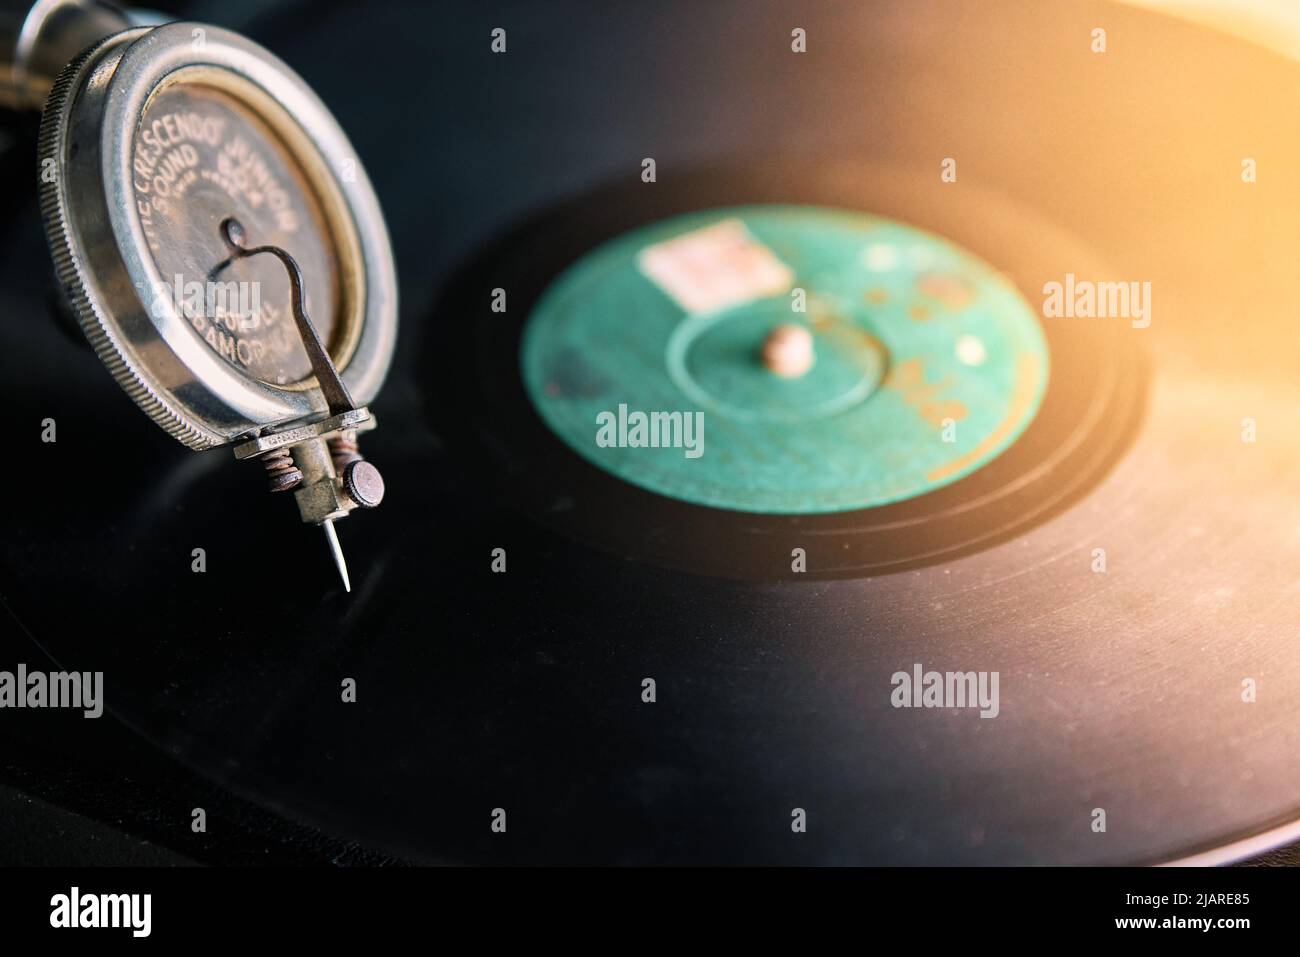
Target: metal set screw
360, 479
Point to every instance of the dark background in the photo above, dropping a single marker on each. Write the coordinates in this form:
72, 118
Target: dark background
461, 148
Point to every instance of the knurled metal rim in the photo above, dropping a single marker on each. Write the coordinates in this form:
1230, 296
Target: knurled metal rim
96, 240
68, 269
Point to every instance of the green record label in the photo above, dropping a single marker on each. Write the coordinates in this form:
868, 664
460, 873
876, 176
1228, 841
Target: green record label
784, 359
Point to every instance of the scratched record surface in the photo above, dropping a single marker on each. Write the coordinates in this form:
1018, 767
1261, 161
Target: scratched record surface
1100, 532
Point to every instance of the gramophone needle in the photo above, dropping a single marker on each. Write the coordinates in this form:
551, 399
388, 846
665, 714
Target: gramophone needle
337, 551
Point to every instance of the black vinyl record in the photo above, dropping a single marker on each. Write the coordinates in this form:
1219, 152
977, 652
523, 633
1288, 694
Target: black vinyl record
1093, 402
1121, 681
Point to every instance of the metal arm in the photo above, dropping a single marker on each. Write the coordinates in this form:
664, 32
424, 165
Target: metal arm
37, 40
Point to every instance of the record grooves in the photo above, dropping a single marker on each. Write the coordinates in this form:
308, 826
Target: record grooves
1122, 557
1093, 403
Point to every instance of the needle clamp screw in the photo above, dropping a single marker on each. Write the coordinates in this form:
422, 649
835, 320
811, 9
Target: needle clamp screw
363, 483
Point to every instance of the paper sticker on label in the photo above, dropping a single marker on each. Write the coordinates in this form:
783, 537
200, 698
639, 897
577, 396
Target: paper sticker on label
715, 267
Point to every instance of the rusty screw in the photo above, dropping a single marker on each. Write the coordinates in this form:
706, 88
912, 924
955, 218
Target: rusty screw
281, 473
344, 450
